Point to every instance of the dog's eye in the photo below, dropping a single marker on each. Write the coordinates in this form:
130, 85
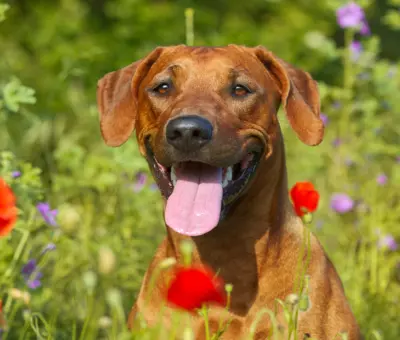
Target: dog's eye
240, 91
162, 88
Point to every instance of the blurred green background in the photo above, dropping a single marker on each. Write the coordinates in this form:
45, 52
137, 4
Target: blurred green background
109, 213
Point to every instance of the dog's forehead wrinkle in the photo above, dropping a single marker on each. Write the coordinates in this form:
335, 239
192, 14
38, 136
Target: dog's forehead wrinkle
212, 68
174, 67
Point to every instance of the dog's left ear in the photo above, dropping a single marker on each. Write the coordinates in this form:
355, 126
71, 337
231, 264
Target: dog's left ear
299, 97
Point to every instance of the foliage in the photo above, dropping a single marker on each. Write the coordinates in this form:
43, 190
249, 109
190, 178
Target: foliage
109, 223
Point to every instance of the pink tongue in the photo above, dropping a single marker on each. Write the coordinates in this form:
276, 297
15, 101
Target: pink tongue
195, 204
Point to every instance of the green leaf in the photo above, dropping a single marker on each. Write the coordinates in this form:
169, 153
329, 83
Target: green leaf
14, 94
392, 19
3, 9
319, 42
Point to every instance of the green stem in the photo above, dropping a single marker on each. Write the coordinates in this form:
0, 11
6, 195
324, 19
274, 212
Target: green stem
374, 270
306, 246
23, 334
189, 12
300, 265
114, 329
228, 305
228, 301
161, 330
74, 330
348, 72
348, 83
35, 320
152, 283
18, 252
206, 324
344, 125
173, 328
257, 319
11, 318
89, 313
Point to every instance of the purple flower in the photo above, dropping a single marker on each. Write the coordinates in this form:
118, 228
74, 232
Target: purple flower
48, 215
16, 174
49, 247
35, 282
364, 76
341, 203
385, 105
324, 118
348, 161
356, 50
365, 30
31, 275
336, 105
337, 142
369, 157
389, 242
319, 224
350, 15
381, 179
153, 187
29, 267
141, 178
392, 71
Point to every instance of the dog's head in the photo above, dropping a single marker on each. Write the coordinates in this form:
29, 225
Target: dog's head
205, 118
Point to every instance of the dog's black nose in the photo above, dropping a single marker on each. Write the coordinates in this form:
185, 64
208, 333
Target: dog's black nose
189, 133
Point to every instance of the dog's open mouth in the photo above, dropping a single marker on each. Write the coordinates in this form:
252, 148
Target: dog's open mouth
198, 194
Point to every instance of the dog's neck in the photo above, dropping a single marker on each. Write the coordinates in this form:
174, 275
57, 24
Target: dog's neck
238, 254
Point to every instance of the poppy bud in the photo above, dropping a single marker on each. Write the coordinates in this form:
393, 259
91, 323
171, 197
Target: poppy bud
304, 303
186, 248
292, 299
113, 297
104, 322
228, 288
188, 334
106, 260
307, 218
167, 263
90, 280
69, 218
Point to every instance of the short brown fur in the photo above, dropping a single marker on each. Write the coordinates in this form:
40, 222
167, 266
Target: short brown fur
256, 247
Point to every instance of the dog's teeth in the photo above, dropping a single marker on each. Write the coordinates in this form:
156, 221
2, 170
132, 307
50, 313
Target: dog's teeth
246, 161
229, 174
227, 177
173, 176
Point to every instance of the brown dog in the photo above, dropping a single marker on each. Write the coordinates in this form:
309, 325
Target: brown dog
206, 121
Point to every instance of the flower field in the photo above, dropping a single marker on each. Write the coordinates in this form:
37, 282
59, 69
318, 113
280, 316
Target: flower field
80, 222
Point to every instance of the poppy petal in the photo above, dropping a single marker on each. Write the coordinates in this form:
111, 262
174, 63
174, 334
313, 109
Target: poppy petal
8, 211
193, 287
304, 197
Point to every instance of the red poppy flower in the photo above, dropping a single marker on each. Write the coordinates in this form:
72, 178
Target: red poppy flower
304, 197
2, 318
192, 287
8, 210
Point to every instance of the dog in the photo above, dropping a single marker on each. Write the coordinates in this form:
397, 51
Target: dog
206, 121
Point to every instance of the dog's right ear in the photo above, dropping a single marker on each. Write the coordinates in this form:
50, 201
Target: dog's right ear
117, 99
